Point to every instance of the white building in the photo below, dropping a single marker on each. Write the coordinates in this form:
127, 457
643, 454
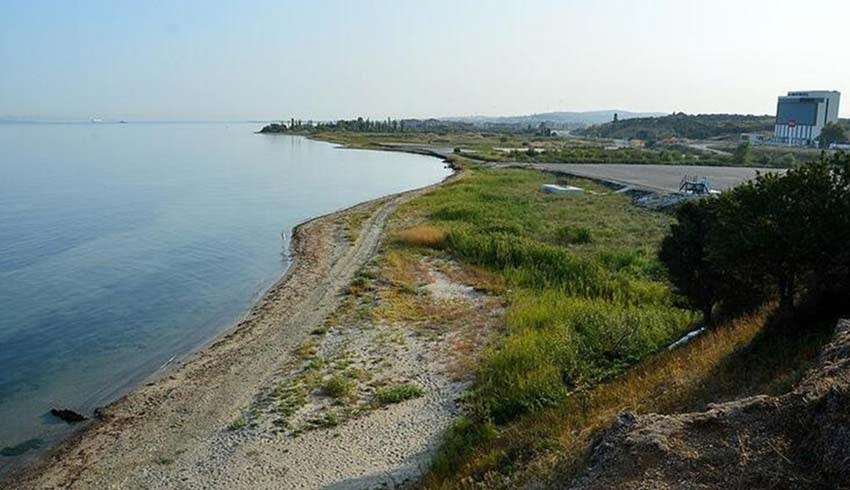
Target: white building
800, 116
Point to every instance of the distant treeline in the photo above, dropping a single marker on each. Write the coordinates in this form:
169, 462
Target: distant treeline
389, 125
681, 125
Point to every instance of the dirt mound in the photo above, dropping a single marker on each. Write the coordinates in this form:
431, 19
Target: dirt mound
797, 440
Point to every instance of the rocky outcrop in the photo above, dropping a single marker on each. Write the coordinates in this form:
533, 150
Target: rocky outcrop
67, 415
797, 440
274, 128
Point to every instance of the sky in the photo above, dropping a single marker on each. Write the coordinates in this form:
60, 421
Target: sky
330, 59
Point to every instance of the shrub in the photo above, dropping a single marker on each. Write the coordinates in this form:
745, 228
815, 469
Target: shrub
398, 393
779, 237
338, 387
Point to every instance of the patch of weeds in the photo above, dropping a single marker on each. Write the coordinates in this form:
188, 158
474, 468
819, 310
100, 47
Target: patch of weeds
359, 286
319, 331
307, 350
317, 364
356, 373
459, 442
240, 423
573, 235
291, 398
398, 393
329, 419
338, 387
353, 225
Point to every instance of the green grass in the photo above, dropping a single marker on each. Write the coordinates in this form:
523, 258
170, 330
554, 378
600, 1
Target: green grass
242, 422
549, 447
577, 314
589, 313
586, 295
557, 342
398, 393
338, 387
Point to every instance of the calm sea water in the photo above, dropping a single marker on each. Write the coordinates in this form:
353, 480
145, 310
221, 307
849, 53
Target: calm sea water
122, 246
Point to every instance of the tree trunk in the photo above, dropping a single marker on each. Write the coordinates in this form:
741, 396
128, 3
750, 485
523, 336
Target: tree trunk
787, 292
707, 317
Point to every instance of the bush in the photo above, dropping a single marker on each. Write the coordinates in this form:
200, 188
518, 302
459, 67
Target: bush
398, 393
778, 237
338, 387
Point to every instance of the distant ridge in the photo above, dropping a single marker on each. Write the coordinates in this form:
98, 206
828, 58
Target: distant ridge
561, 117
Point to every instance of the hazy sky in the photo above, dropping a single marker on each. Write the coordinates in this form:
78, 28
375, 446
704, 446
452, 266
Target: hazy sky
214, 59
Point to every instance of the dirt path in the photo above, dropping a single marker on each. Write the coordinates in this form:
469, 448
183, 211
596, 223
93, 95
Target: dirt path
177, 432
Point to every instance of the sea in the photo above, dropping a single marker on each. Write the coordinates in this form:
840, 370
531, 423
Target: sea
124, 247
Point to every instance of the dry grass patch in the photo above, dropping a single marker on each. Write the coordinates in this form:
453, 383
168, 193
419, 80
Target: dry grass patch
404, 270
354, 224
475, 276
422, 236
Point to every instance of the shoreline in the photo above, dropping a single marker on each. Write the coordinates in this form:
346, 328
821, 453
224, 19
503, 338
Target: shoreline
307, 262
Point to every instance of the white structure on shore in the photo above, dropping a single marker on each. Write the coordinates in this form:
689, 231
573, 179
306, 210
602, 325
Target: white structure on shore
800, 116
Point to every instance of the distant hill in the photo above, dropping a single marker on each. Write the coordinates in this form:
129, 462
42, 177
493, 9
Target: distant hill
555, 118
680, 125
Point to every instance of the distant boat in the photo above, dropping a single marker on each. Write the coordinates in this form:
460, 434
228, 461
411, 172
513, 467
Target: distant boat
122, 122
96, 120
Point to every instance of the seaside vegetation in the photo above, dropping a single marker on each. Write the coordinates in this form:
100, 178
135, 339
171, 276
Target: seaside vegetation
526, 425
398, 393
586, 295
580, 310
507, 147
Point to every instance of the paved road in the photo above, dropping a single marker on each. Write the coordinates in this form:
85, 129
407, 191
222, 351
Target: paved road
655, 178
663, 179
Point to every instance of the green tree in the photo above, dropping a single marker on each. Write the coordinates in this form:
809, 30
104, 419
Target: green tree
684, 252
784, 235
743, 155
780, 236
833, 133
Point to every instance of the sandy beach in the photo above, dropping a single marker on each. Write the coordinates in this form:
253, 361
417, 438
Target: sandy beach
183, 430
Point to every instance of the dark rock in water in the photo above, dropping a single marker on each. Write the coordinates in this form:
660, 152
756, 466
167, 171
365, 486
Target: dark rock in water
69, 416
